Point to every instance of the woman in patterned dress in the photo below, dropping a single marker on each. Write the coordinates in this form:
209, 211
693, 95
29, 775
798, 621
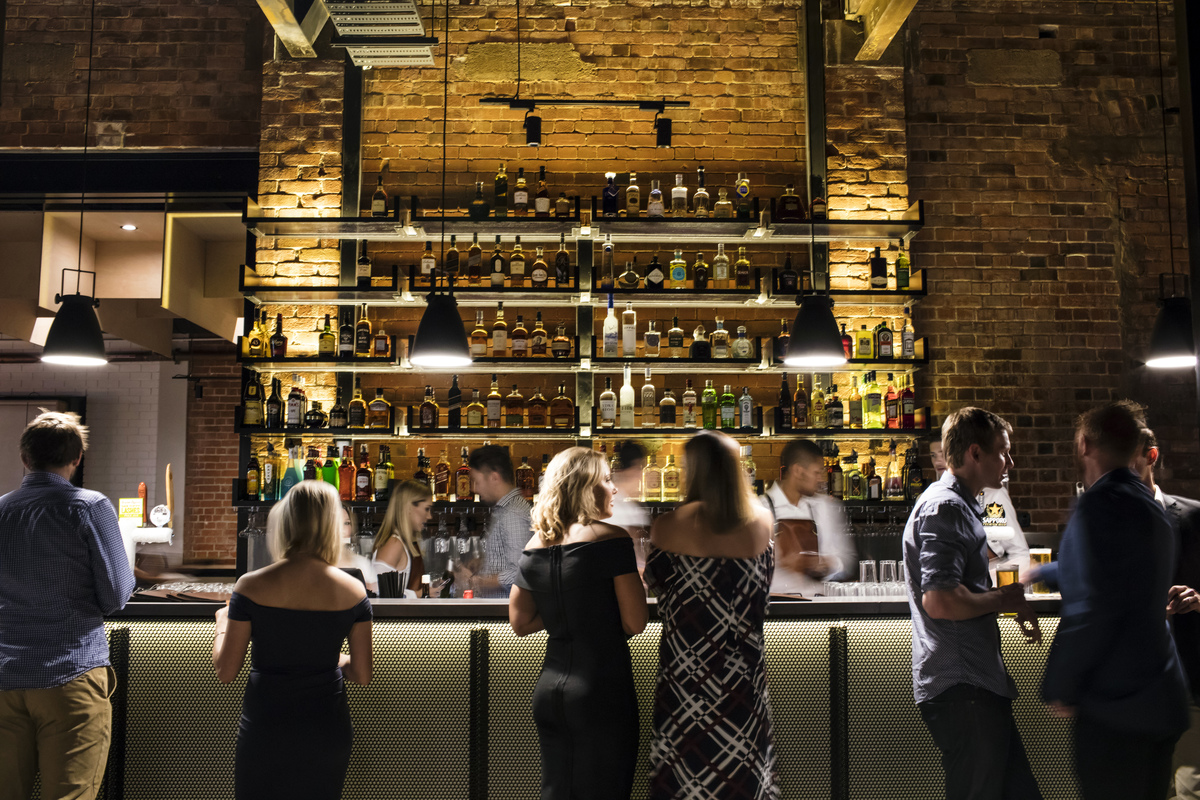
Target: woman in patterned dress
711, 564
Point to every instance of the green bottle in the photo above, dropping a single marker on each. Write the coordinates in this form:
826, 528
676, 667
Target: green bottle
708, 406
329, 470
293, 474
728, 409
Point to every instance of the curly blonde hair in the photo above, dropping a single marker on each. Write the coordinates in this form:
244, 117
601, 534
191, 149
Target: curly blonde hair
569, 493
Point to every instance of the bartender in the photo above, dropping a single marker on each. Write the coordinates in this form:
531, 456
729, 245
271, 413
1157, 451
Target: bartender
811, 544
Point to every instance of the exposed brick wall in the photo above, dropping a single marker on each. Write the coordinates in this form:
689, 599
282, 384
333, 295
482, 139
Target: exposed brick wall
212, 460
165, 74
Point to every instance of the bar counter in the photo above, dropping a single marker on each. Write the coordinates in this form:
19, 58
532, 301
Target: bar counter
447, 715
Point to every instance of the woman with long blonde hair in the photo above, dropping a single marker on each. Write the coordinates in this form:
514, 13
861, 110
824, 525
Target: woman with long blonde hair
711, 564
578, 581
397, 546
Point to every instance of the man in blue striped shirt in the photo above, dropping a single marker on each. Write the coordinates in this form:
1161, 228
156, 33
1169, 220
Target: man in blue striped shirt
62, 568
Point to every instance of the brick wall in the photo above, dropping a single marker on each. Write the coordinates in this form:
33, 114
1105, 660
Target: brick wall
212, 457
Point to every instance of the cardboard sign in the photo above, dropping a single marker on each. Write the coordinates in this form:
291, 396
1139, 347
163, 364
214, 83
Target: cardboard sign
130, 508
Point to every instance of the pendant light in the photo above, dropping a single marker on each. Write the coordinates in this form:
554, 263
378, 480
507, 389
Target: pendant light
1172, 344
75, 338
816, 340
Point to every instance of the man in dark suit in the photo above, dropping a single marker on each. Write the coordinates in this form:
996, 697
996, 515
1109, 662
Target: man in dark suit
1113, 665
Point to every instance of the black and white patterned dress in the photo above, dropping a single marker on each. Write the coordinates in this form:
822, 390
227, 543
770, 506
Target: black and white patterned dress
712, 713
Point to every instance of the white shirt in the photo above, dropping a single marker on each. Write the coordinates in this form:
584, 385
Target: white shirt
1004, 534
832, 542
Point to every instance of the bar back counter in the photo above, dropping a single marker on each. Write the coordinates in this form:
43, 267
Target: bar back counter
447, 715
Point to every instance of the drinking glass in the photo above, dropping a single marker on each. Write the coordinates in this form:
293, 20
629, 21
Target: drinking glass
866, 572
1039, 557
887, 571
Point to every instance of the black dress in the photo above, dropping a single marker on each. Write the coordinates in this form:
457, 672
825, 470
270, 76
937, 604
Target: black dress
584, 702
294, 737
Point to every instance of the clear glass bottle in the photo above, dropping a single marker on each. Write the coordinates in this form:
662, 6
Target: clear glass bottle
908, 348
629, 331
611, 332
629, 278
720, 269
749, 469
671, 481
608, 199
652, 481
720, 340
608, 276
679, 198
689, 404
654, 208
675, 339
626, 398
745, 419
723, 208
649, 402
742, 347
651, 341
667, 407
700, 198
633, 198
608, 405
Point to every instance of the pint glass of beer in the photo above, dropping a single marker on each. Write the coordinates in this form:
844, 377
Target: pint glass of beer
1007, 575
1039, 557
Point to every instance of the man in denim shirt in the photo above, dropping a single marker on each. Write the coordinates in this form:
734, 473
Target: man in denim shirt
62, 568
960, 683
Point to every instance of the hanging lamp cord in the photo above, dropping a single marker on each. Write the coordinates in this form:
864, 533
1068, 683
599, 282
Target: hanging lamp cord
83, 177
445, 115
1162, 105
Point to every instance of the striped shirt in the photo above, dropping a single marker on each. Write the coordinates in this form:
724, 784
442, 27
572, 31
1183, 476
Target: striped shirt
945, 545
62, 568
508, 530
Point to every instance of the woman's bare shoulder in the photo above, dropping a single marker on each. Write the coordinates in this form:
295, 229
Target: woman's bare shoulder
604, 531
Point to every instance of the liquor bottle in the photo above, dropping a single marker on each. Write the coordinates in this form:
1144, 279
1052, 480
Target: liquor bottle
253, 485
629, 331
329, 469
384, 473
729, 409
539, 275
893, 485
720, 340
800, 419
633, 198
462, 478
903, 270
293, 413
274, 407
677, 275
454, 407
521, 194
479, 208
670, 481
278, 341
520, 339
883, 342
526, 478
499, 333
345, 340
891, 405
864, 344
742, 347
745, 410
654, 207
428, 266
788, 278
854, 487
834, 413
379, 200
310, 464
783, 418
723, 208
474, 261
429, 413
854, 406
560, 347
257, 343
666, 410
790, 207
651, 481
720, 269
363, 476
608, 277
847, 343
500, 201
675, 339
452, 259
347, 473
817, 416
608, 198
562, 264
327, 341
907, 405
649, 401
379, 412
741, 190
689, 404
562, 410
741, 270
475, 411
539, 410
748, 467
538, 338
362, 268
914, 478
514, 409
818, 208
709, 409
872, 403
780, 342
907, 340
700, 198
651, 341
479, 336
608, 405
701, 348
679, 201
381, 344
700, 272
315, 417
516, 266
874, 481
497, 266
562, 206
611, 331
541, 201
495, 405
252, 403
362, 335
654, 275
879, 278
629, 279
337, 414
627, 401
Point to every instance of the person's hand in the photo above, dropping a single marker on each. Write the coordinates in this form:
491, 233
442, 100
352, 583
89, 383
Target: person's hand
1182, 599
1028, 622
1012, 598
343, 660
1061, 710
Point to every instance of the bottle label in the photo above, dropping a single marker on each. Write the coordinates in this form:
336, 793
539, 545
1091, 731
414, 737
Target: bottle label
907, 346
864, 347
521, 197
746, 412
362, 341
678, 274
381, 479
499, 342
537, 344
519, 346
651, 340
479, 348
428, 417
608, 409
253, 415
441, 478
516, 268
689, 412
561, 348
675, 340
462, 487
474, 417
541, 205
539, 275
654, 208
515, 418
493, 410
629, 339
562, 267
651, 481
720, 272
610, 344
654, 276
294, 414
855, 414
428, 264
727, 415
378, 206
358, 416
835, 418
537, 416
363, 481
671, 482
451, 262
720, 349
885, 344
666, 414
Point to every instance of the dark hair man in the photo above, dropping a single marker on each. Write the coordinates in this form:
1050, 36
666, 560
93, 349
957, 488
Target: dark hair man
960, 683
62, 568
1113, 665
508, 527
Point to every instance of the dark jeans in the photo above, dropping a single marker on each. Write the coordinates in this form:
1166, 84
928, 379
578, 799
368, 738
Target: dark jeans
982, 753
1114, 765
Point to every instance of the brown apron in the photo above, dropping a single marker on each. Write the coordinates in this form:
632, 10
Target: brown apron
796, 547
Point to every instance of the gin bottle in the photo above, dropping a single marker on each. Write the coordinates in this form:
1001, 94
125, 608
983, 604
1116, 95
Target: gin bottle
700, 198
679, 203
654, 208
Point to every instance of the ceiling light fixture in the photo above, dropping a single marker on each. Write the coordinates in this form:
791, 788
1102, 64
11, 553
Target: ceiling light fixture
129, 226
816, 340
662, 130
533, 129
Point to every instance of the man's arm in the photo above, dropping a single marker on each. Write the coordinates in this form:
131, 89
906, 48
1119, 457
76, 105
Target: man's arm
110, 566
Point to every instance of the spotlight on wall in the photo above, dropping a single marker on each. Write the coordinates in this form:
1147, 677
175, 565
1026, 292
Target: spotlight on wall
533, 129
662, 131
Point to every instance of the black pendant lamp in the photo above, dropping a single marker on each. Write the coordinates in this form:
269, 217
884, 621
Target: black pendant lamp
75, 339
441, 340
816, 340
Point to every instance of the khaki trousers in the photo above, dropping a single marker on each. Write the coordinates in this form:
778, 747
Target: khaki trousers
63, 732
1185, 765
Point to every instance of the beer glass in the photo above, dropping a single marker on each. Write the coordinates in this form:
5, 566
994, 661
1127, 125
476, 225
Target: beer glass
1006, 576
1039, 557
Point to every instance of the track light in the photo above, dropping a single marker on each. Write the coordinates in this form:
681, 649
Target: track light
533, 129
662, 131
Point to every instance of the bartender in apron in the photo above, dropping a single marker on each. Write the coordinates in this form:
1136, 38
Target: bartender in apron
811, 545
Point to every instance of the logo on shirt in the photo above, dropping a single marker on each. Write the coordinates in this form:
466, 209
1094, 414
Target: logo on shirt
993, 514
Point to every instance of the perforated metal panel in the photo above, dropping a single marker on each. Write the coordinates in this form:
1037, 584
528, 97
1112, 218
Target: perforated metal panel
376, 19
798, 680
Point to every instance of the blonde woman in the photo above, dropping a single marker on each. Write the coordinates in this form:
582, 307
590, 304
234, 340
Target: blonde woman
295, 736
578, 581
398, 542
711, 563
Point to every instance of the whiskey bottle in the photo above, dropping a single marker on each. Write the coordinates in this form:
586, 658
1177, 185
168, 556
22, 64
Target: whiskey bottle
627, 400
278, 341
499, 333
709, 408
384, 473
679, 201
651, 341
907, 405
363, 476
741, 270
817, 418
516, 266
610, 332
479, 208
441, 478
538, 338
788, 278
337, 414
864, 344
746, 410
526, 478
345, 348
514, 409
790, 207
836, 484
539, 410
498, 265
700, 272
428, 266
720, 269
633, 198
562, 264
541, 201
462, 478
652, 482
818, 209
879, 278
670, 481
252, 403
780, 343
520, 339
608, 198
654, 207
430, 413
454, 406
678, 271
495, 405
347, 475
700, 198
654, 275
666, 410
701, 348
720, 340
561, 346
362, 268
315, 417
689, 404
452, 259
274, 407
362, 335
675, 339
629, 331
253, 478
649, 401
729, 409
800, 420
629, 278
723, 208
783, 419
474, 261
379, 200
327, 341
381, 344
741, 190
854, 409
833, 410
903, 270
562, 206
539, 276
293, 415
608, 276
521, 194
379, 412
500, 197
475, 411
479, 336
608, 405
562, 410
